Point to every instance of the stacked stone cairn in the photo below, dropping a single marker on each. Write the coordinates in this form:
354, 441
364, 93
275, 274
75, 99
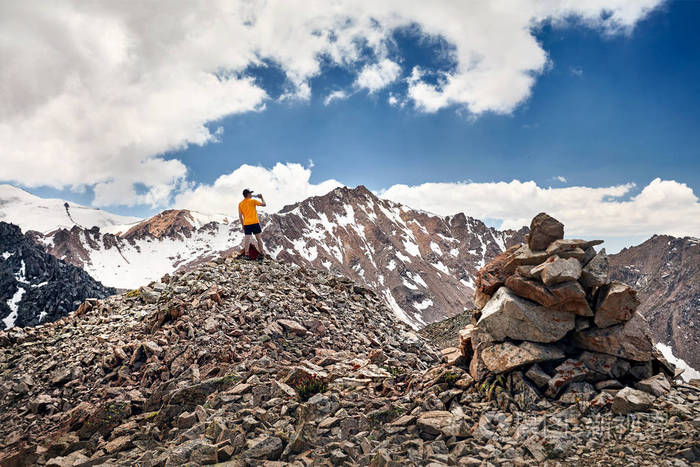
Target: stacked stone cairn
551, 316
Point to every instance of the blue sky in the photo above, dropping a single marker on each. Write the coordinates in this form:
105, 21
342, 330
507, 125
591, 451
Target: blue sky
608, 109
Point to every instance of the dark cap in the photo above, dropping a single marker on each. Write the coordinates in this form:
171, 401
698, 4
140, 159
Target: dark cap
247, 192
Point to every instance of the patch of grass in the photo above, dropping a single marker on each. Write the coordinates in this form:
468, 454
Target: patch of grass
394, 370
449, 378
308, 386
133, 293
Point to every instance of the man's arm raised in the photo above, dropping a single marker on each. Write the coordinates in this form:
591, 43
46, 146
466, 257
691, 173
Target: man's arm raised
262, 200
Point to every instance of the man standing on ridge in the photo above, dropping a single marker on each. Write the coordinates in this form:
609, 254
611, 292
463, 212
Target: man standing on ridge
248, 214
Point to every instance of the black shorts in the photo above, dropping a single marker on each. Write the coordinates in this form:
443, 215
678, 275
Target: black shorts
252, 229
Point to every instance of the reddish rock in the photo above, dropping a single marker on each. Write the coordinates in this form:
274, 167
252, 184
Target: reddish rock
493, 275
616, 304
568, 372
568, 296
544, 229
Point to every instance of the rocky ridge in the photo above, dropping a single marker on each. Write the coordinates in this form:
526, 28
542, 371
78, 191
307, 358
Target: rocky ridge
552, 320
35, 287
248, 363
422, 265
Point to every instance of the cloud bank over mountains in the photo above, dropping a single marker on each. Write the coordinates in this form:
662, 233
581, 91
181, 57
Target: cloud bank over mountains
96, 94
661, 207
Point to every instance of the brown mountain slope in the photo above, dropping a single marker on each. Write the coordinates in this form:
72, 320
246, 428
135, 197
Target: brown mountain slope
666, 272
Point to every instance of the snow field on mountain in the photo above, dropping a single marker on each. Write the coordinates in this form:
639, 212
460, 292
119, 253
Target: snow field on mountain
149, 259
45, 215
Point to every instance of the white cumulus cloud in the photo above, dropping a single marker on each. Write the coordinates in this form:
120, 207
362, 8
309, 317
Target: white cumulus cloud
378, 75
281, 185
99, 93
661, 207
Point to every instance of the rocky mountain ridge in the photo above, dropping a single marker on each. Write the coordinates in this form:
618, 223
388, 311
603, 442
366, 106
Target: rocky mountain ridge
421, 264
35, 287
251, 363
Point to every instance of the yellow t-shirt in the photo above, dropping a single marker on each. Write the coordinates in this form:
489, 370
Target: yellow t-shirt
248, 210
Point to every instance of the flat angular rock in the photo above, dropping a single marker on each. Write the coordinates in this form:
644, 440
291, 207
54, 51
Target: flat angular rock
568, 296
509, 316
596, 272
616, 304
544, 229
578, 392
292, 326
437, 422
452, 354
657, 385
630, 341
265, 447
571, 371
605, 364
629, 400
537, 375
506, 356
570, 244
561, 270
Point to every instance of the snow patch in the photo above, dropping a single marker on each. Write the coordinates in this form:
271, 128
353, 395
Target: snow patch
454, 252
402, 257
398, 311
436, 248
13, 303
6, 255
441, 267
689, 373
391, 266
423, 305
418, 279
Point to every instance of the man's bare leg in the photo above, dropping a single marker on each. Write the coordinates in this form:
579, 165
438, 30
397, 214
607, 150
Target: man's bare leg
246, 244
258, 237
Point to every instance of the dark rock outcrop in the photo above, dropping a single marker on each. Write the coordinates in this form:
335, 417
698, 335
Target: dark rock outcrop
36, 287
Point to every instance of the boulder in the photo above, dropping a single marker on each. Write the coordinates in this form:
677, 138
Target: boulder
596, 272
559, 270
452, 355
436, 422
506, 356
657, 385
537, 375
631, 400
604, 364
479, 341
509, 316
480, 298
577, 392
493, 275
616, 304
630, 341
465, 342
567, 296
570, 371
544, 229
